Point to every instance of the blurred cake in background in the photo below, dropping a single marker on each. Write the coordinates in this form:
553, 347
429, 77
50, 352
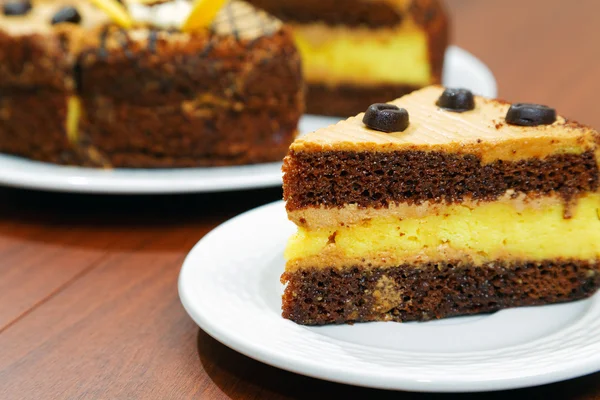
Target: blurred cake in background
359, 52
37, 60
143, 84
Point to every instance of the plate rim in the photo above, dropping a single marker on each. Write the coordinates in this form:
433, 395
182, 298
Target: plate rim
59, 178
305, 367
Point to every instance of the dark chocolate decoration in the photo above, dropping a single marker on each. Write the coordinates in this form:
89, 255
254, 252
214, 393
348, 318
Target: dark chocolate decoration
66, 14
17, 7
456, 100
526, 114
386, 118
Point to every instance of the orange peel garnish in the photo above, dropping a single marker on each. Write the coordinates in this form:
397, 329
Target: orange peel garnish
116, 11
202, 15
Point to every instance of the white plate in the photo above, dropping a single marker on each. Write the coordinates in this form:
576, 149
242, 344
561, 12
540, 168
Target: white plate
462, 69
235, 296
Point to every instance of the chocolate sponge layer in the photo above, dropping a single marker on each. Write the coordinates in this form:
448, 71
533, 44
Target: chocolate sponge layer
348, 12
374, 179
31, 61
32, 124
373, 14
172, 67
434, 290
347, 100
189, 134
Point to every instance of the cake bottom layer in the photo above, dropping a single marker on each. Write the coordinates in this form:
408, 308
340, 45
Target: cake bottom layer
348, 100
32, 125
206, 132
430, 291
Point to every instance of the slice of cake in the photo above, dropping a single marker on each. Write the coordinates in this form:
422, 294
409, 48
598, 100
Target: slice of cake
147, 88
359, 52
37, 44
468, 205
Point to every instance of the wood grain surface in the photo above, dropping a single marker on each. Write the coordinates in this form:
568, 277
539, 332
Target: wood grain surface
88, 295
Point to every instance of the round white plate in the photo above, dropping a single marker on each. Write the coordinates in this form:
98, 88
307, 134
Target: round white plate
229, 284
462, 69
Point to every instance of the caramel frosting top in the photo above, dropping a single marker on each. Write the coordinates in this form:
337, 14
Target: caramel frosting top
352, 214
482, 132
38, 19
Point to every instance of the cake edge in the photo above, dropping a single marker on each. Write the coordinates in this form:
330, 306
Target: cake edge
433, 291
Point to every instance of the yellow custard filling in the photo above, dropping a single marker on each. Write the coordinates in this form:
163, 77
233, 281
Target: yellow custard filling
74, 111
338, 55
486, 232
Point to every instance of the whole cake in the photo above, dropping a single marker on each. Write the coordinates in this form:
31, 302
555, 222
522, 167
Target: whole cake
439, 204
142, 88
358, 52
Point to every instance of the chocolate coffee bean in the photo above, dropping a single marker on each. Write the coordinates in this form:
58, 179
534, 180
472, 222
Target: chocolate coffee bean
525, 114
66, 14
386, 118
18, 7
456, 100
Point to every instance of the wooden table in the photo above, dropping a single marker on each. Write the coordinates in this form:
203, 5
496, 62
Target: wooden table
88, 294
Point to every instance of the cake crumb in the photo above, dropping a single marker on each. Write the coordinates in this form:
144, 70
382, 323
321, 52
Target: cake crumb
331, 238
387, 294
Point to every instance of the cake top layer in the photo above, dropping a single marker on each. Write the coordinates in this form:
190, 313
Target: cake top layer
237, 23
38, 20
289, 8
244, 21
482, 131
372, 14
236, 18
400, 5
